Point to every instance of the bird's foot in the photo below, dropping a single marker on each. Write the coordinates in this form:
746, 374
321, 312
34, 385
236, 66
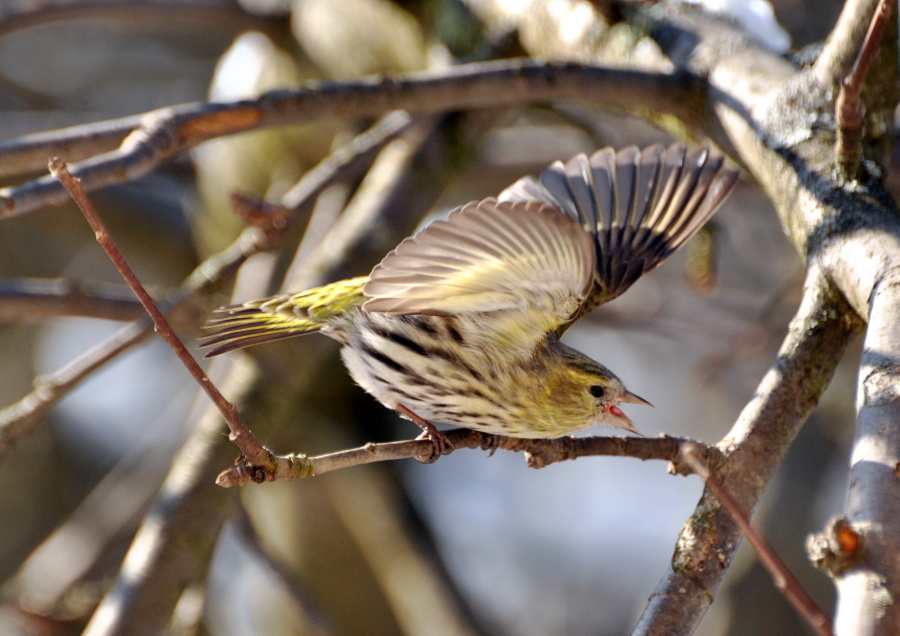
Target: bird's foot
440, 444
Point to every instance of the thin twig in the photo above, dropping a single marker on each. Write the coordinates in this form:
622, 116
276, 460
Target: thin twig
538, 453
240, 434
784, 580
848, 109
30, 299
21, 418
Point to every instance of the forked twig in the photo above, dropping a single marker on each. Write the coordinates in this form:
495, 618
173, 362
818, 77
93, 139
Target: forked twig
848, 110
784, 581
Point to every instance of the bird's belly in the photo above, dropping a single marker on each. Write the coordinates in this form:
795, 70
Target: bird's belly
441, 383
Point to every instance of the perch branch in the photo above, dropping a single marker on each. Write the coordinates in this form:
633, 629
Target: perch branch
538, 453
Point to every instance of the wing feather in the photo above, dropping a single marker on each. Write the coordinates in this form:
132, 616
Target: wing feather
524, 260
639, 205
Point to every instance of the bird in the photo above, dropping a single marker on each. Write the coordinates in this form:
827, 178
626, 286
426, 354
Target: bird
461, 323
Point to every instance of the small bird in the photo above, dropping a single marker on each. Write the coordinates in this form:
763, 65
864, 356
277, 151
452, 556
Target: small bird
461, 323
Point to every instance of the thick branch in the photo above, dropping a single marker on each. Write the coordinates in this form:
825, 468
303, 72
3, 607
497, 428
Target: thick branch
814, 344
868, 602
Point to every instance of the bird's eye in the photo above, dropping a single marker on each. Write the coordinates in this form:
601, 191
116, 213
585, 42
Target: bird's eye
596, 390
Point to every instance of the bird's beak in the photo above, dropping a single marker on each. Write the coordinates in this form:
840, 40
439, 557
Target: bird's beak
631, 398
624, 421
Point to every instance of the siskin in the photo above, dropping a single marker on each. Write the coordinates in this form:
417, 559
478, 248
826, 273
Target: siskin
461, 323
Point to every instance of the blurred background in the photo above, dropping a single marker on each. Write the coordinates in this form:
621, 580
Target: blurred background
485, 545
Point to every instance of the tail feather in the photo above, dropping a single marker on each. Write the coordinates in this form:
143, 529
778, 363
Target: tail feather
286, 316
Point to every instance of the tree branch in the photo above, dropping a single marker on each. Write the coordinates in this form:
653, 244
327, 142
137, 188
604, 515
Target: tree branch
538, 454
38, 299
166, 133
873, 504
753, 448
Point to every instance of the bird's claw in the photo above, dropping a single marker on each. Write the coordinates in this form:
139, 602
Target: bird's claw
440, 445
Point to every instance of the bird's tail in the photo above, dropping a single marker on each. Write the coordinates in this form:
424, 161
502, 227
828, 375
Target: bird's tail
280, 317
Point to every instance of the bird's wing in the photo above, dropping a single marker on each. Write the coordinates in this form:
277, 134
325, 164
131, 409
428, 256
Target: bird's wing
638, 205
522, 267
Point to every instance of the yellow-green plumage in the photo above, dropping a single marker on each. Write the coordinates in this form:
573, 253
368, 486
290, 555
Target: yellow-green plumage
284, 316
461, 323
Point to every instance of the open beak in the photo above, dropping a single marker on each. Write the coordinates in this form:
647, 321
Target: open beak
631, 398
624, 420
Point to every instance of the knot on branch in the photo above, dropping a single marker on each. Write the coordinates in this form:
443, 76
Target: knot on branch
882, 386
280, 467
837, 549
157, 134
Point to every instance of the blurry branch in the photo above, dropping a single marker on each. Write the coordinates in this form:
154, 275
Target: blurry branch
538, 453
166, 133
15, 16
314, 620
362, 149
57, 570
20, 419
37, 299
174, 545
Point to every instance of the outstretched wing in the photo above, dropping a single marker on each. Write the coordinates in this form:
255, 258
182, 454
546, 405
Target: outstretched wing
522, 268
638, 205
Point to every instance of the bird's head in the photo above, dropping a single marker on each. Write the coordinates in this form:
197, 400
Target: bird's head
591, 391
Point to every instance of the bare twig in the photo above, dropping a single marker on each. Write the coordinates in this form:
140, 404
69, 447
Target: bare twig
314, 619
784, 580
538, 453
166, 133
240, 434
848, 109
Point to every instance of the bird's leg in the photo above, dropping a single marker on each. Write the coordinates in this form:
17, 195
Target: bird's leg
442, 445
